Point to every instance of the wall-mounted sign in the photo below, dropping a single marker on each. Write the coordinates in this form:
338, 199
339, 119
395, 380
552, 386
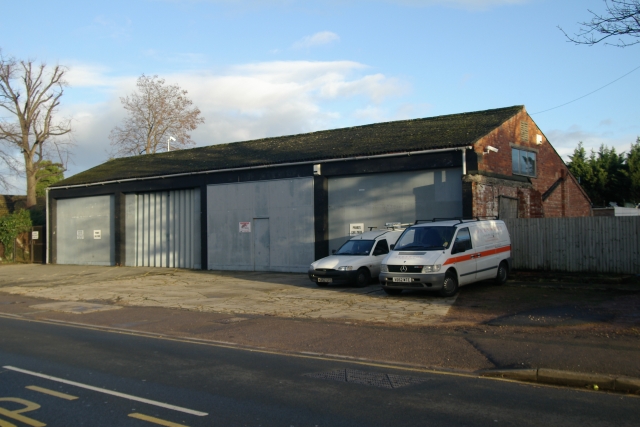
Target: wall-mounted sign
35, 235
245, 227
356, 229
80, 234
97, 234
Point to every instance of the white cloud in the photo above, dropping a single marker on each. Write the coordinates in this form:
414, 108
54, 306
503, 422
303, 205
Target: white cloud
378, 113
89, 75
317, 39
244, 102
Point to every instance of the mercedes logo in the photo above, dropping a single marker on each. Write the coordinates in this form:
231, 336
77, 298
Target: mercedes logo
403, 268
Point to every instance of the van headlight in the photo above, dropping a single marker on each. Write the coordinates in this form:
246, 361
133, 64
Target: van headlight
345, 268
384, 268
431, 268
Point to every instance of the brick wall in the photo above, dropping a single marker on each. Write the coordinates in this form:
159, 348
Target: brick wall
567, 198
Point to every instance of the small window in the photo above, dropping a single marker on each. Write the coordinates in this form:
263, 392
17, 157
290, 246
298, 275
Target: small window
523, 162
463, 240
382, 248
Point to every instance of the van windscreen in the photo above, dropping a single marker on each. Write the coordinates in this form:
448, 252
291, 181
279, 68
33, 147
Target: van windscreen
425, 238
356, 247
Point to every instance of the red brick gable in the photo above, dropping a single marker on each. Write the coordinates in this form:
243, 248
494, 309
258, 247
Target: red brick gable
552, 192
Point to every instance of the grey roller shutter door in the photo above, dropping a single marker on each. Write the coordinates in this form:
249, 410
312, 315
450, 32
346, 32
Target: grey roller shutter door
84, 231
376, 199
166, 231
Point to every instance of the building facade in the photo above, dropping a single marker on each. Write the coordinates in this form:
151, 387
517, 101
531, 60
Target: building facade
277, 204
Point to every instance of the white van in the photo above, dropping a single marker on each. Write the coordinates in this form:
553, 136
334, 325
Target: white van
357, 261
442, 255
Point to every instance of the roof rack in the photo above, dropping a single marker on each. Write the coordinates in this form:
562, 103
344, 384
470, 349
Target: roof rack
391, 226
461, 219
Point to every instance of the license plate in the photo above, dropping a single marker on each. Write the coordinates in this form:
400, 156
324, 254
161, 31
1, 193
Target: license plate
402, 279
324, 279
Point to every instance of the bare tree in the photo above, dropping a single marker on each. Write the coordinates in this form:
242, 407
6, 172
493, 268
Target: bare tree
31, 93
622, 20
157, 112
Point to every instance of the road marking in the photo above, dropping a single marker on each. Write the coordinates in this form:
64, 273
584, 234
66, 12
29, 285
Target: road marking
51, 392
155, 420
112, 393
15, 414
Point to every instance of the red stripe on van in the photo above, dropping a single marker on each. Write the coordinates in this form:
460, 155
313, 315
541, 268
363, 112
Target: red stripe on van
483, 253
458, 259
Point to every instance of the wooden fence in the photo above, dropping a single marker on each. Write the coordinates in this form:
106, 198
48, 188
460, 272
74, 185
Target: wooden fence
590, 244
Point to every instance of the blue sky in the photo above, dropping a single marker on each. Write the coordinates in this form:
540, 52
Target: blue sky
276, 67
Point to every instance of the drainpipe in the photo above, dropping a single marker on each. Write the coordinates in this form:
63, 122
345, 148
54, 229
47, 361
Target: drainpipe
464, 161
47, 229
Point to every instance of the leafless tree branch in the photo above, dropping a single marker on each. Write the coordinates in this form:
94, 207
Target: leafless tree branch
621, 19
157, 111
31, 94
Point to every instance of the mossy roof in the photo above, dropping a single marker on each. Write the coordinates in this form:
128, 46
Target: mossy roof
450, 131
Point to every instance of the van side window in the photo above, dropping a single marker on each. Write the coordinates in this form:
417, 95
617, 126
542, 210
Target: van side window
463, 240
382, 248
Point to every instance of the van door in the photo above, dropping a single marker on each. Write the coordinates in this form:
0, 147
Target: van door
379, 252
485, 236
463, 257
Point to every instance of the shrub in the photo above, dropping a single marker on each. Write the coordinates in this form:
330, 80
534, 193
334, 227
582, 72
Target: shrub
11, 226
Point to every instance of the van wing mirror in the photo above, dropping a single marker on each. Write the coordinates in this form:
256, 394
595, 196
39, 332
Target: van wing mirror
392, 246
333, 251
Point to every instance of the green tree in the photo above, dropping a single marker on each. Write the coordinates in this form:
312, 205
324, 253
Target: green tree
580, 167
49, 174
607, 176
633, 165
611, 177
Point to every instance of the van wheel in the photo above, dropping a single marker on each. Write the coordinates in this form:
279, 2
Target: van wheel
392, 291
363, 278
450, 285
503, 273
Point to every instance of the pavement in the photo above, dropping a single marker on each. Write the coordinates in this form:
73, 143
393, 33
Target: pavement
577, 330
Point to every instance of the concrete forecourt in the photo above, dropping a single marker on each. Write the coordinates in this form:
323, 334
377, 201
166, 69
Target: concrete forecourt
576, 332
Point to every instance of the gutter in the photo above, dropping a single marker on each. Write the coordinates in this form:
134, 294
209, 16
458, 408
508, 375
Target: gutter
378, 156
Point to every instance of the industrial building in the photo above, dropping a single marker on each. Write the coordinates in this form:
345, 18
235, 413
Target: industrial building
278, 204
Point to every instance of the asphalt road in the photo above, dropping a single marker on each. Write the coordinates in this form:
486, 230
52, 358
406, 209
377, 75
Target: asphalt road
191, 384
